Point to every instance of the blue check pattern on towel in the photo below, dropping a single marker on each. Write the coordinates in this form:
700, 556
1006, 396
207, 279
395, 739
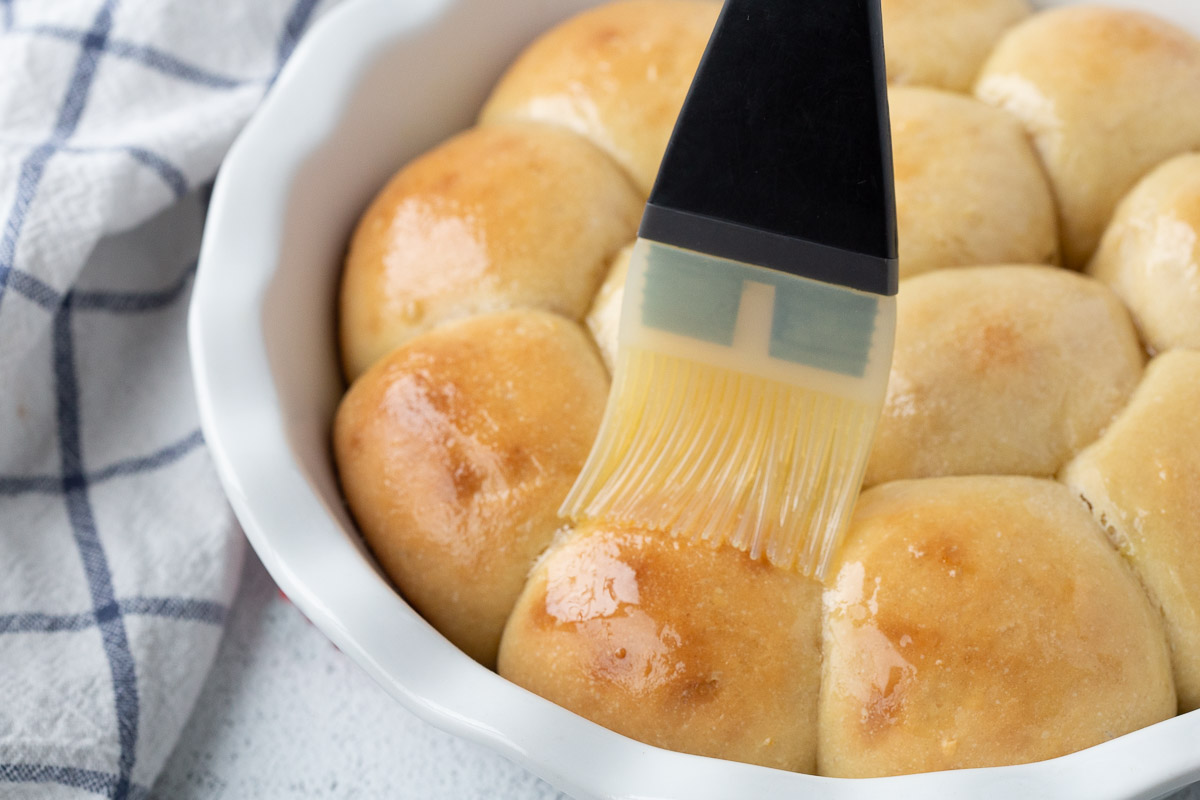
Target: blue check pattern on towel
118, 554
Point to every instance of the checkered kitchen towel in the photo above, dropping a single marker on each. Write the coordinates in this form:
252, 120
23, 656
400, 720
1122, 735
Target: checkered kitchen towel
118, 554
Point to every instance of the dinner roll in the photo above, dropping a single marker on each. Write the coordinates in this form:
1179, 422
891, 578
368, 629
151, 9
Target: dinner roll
604, 320
1001, 370
943, 43
1107, 94
617, 74
1142, 480
455, 452
982, 621
1150, 255
508, 216
969, 188
674, 643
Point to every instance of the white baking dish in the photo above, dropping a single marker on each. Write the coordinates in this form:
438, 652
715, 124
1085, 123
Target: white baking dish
374, 84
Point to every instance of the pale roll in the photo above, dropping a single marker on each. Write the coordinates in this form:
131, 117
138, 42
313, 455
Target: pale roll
969, 188
604, 318
1142, 481
1150, 254
1107, 94
943, 43
1002, 370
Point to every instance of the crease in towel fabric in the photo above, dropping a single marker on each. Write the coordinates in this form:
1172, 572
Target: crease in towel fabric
118, 553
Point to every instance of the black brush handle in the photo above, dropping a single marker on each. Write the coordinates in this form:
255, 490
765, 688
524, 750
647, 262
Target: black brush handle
781, 156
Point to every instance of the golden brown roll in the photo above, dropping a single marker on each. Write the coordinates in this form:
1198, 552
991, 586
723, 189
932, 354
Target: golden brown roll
969, 188
1150, 254
1142, 481
616, 74
978, 622
455, 452
943, 43
604, 320
509, 216
673, 643
1106, 94
1002, 370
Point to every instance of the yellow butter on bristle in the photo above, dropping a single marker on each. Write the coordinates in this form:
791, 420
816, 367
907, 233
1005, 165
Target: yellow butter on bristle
706, 453
728, 444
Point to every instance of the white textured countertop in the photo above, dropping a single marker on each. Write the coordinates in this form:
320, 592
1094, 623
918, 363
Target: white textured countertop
285, 715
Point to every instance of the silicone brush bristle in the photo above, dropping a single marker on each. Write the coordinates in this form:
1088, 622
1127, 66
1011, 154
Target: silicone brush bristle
725, 457
725, 442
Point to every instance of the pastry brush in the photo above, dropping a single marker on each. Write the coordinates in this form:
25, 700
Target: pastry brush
759, 315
